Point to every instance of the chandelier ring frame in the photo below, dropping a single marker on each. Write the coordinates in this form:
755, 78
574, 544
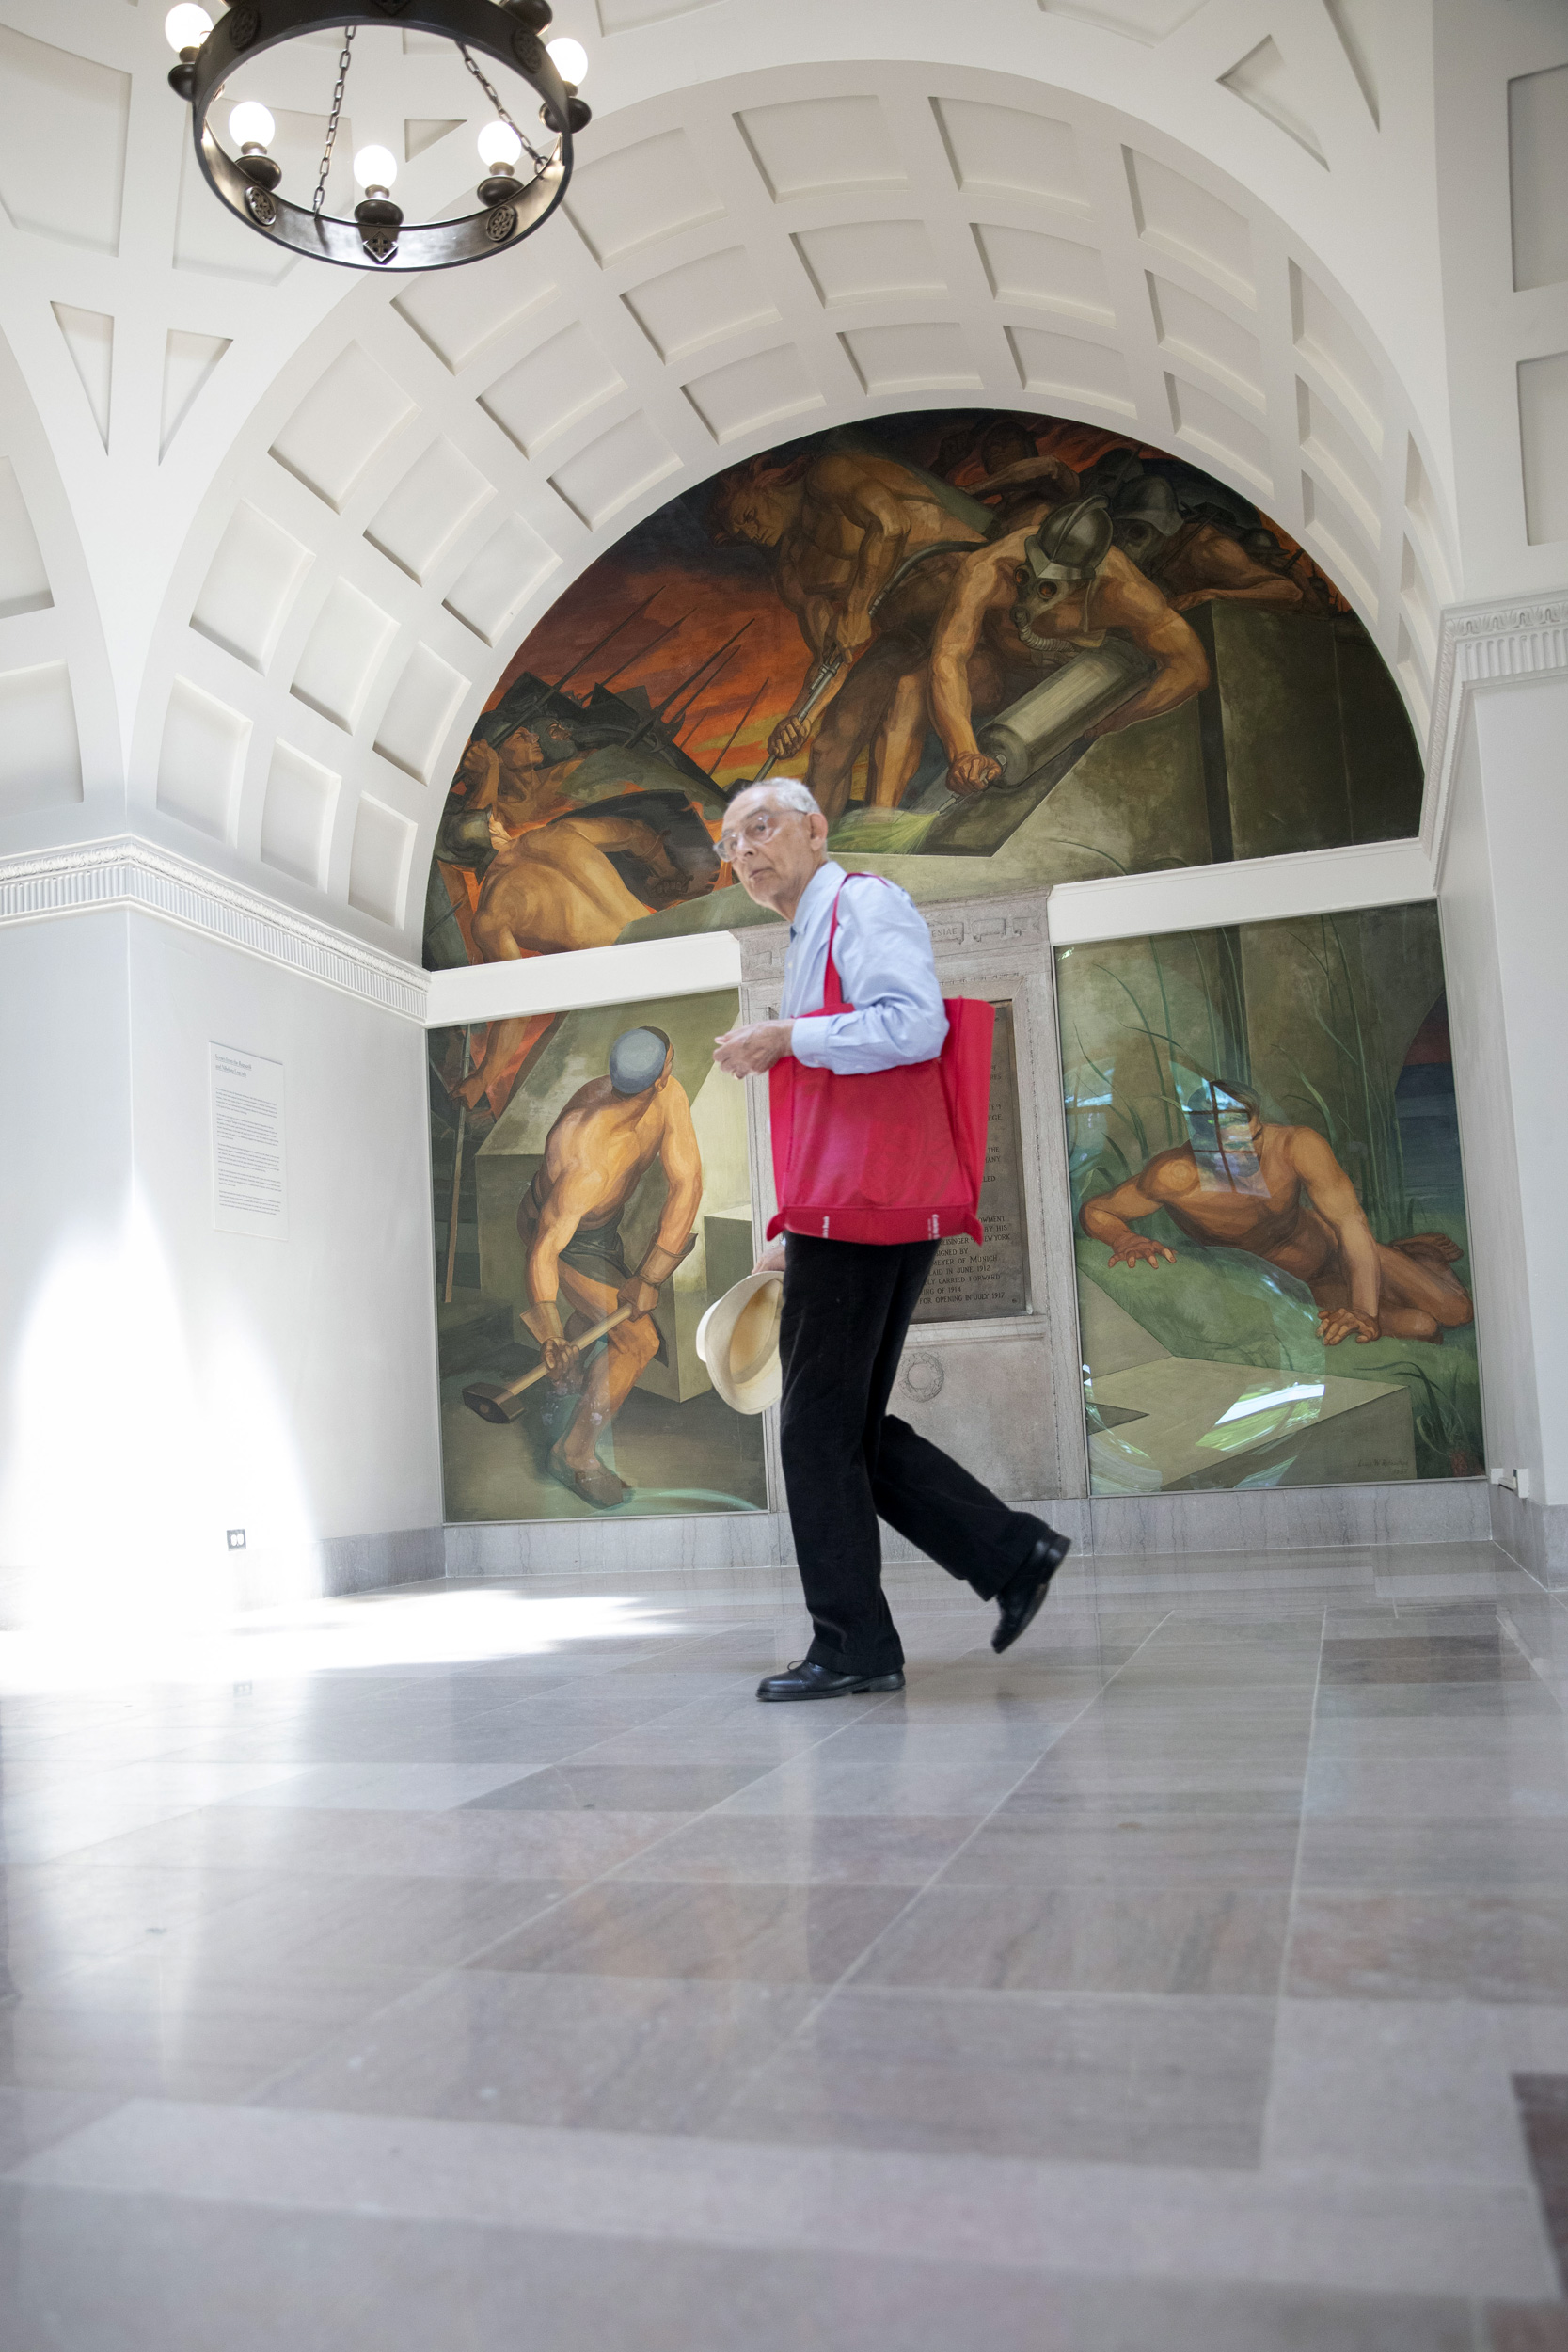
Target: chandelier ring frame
509, 36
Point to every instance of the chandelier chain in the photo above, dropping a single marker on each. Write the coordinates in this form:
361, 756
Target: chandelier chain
541, 162
343, 64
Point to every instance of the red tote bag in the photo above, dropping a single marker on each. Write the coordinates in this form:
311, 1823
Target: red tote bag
890, 1155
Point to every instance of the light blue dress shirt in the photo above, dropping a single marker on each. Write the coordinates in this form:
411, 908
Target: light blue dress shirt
882, 952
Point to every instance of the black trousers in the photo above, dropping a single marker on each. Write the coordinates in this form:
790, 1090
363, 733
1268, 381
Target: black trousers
848, 1462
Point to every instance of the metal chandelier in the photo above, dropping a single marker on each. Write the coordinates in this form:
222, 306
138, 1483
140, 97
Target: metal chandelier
525, 174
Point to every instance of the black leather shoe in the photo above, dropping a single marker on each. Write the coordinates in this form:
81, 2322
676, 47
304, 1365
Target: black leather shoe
808, 1680
1019, 1601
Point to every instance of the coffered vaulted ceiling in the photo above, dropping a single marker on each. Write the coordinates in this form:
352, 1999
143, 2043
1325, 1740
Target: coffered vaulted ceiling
268, 536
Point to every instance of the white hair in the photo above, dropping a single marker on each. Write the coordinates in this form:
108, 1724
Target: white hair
789, 793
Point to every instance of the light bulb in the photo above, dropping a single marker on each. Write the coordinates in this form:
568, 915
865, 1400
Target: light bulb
498, 145
375, 166
569, 58
251, 125
186, 27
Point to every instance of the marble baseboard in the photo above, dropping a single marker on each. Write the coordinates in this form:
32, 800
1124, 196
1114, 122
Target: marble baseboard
1292, 1518
619, 1547
372, 1564
1533, 1533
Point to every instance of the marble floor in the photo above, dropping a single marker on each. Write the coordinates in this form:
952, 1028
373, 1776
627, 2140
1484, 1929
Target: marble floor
481, 1966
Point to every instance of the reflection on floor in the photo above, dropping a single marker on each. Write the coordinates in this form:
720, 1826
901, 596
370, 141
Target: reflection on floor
483, 1967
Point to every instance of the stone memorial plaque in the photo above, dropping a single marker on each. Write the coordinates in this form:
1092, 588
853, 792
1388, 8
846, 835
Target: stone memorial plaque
969, 1285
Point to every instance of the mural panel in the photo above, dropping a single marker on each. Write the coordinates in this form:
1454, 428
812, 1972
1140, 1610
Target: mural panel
1002, 649
580, 1237
1272, 1256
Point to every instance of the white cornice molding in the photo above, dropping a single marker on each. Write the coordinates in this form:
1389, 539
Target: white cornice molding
1250, 890
1483, 644
128, 872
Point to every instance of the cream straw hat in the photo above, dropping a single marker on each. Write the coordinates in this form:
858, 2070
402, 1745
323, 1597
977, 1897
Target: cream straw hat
739, 1340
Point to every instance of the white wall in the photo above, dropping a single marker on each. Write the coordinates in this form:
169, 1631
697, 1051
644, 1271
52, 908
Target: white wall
314, 1358
160, 1382
1507, 946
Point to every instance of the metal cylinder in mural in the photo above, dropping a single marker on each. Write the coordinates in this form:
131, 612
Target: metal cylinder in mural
1054, 714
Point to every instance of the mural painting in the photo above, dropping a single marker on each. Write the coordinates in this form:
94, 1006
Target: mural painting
1002, 649
1273, 1254
581, 1236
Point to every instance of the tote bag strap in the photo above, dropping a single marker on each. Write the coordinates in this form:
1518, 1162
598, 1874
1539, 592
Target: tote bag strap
834, 999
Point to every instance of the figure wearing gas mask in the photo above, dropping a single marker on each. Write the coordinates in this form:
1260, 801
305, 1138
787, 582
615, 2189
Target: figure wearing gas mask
1024, 606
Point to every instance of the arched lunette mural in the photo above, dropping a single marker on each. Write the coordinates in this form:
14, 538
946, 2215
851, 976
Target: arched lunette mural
1003, 649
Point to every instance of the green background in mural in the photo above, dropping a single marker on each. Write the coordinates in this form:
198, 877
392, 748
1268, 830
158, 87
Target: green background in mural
599, 1158
860, 606
1272, 1253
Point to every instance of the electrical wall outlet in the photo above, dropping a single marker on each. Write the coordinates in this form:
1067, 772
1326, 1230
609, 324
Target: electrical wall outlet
236, 1539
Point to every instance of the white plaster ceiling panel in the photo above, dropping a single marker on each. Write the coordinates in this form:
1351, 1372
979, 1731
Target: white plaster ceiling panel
621, 202
431, 506
415, 722
296, 814
1178, 217
507, 572
339, 660
1424, 523
921, 356
380, 861
854, 262
604, 478
1538, 177
1192, 329
1144, 20
1080, 375
1027, 265
1326, 336
1020, 154
251, 584
1344, 551
201, 758
1419, 608
345, 420
90, 337
810, 146
1219, 432
736, 260
62, 141
188, 361
1263, 78
1543, 441
1339, 452
421, 132
701, 302
24, 580
625, 16
1357, 30
746, 394
460, 313
41, 757
564, 379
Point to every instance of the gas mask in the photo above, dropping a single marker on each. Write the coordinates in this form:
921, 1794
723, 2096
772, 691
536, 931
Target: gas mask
1224, 1146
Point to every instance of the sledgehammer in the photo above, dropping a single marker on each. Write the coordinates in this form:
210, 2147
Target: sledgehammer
505, 1405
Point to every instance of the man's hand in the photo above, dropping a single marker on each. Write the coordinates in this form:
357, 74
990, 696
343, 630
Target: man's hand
970, 773
746, 1052
641, 1296
560, 1360
1337, 1323
788, 738
1138, 1250
772, 1260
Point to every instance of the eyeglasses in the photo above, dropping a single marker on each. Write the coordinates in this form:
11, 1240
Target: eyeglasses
753, 833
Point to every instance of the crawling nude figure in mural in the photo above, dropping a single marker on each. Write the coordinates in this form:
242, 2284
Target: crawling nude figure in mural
595, 1156
840, 526
1279, 1193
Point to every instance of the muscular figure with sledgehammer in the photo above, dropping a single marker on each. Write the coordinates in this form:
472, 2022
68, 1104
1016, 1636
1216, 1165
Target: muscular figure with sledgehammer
595, 1156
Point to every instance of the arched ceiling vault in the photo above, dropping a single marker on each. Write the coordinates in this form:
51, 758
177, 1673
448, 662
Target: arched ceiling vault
320, 513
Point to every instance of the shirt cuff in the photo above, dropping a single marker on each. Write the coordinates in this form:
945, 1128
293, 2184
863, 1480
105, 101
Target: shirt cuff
809, 1034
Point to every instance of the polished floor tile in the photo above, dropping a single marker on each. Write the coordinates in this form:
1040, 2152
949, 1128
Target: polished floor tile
1195, 1978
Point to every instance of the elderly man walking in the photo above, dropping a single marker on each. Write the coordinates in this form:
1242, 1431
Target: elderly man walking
847, 1305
